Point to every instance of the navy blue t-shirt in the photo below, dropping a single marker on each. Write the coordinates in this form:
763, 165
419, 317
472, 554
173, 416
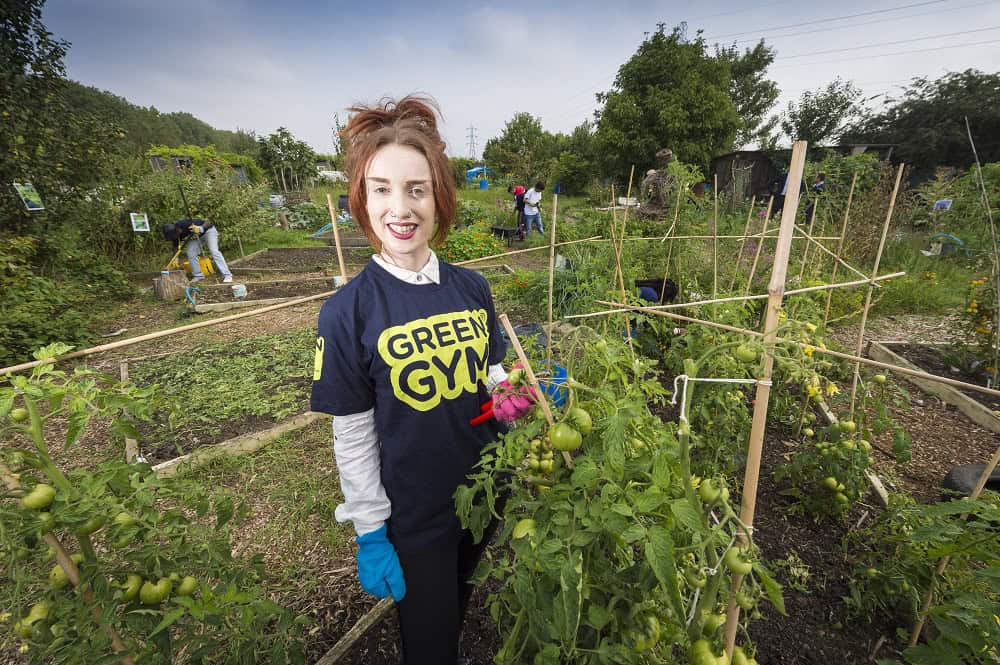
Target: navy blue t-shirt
417, 354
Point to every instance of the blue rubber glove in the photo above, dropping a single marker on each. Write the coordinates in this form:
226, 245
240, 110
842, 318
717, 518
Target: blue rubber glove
378, 565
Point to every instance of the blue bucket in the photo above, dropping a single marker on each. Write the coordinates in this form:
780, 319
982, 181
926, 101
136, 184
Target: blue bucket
552, 384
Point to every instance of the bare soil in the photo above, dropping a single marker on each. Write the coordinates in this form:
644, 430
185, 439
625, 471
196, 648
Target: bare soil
299, 259
285, 288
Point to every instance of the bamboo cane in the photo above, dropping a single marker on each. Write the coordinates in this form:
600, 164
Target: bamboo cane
161, 333
995, 255
532, 379
715, 235
840, 247
805, 250
769, 233
336, 238
945, 560
835, 354
131, 445
72, 573
670, 247
776, 291
529, 249
618, 259
743, 243
760, 245
761, 296
823, 248
871, 287
552, 273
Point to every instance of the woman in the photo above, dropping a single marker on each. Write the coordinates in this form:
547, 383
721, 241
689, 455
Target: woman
406, 354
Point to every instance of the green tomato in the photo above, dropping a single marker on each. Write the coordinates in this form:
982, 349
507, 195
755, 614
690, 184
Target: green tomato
40, 496
22, 629
58, 578
154, 594
810, 417
581, 420
525, 527
865, 446
39, 611
695, 578
745, 354
871, 573
708, 492
46, 522
739, 657
841, 498
830, 483
849, 445
132, 585
879, 378
808, 431
847, 426
564, 437
650, 636
19, 415
546, 466
736, 561
516, 376
90, 526
744, 600
187, 586
124, 519
713, 622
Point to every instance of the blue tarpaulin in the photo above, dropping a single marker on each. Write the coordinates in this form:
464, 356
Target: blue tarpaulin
478, 172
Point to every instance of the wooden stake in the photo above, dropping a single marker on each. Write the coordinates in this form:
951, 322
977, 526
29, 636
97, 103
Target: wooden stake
336, 238
161, 333
743, 243
823, 248
805, 250
670, 248
871, 287
532, 379
618, 260
840, 247
380, 611
239, 243
775, 291
760, 244
715, 236
552, 273
131, 445
836, 354
762, 296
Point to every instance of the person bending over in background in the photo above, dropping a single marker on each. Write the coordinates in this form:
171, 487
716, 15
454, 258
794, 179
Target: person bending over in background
194, 232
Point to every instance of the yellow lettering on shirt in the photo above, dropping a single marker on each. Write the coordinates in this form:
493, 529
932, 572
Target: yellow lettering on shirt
318, 359
436, 358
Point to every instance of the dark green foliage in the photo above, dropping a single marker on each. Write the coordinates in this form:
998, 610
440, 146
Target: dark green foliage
207, 158
670, 94
820, 115
752, 93
290, 163
927, 123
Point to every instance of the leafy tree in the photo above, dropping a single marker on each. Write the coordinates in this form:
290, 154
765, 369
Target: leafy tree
459, 166
670, 94
522, 150
292, 163
928, 123
752, 93
821, 115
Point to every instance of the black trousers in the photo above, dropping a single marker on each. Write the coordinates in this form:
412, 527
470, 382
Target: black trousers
437, 594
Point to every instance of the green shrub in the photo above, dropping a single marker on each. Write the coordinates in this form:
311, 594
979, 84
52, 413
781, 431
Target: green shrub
469, 243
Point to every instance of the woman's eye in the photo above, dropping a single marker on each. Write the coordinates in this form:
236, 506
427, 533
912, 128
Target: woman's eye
417, 191
381, 190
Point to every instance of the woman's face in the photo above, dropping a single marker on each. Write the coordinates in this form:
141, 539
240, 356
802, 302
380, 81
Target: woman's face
401, 204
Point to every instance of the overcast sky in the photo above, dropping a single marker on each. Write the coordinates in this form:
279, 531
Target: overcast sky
259, 64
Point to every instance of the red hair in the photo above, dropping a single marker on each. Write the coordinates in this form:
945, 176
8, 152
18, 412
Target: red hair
412, 121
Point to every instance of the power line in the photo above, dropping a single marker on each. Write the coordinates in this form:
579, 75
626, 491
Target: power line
901, 41
858, 25
832, 18
886, 55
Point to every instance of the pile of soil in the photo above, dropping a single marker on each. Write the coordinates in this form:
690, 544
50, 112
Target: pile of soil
287, 288
292, 259
950, 361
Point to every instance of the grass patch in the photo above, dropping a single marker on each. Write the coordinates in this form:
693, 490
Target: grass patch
212, 389
289, 490
932, 284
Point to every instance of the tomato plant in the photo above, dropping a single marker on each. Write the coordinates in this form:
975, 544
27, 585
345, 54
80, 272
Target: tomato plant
90, 553
610, 557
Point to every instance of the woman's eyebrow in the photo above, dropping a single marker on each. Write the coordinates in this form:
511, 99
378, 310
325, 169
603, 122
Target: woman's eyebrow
386, 181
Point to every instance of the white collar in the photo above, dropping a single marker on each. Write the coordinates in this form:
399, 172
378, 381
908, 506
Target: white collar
429, 274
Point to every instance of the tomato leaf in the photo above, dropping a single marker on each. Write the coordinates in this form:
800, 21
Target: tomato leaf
661, 558
169, 620
76, 425
597, 616
771, 587
686, 514
567, 608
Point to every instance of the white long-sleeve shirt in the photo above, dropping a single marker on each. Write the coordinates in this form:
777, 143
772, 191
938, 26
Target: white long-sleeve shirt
355, 442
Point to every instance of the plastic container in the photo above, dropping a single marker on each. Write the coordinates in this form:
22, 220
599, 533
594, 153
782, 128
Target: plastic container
551, 381
239, 290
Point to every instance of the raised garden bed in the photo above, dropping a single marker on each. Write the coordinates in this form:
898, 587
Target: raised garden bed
291, 259
939, 360
273, 289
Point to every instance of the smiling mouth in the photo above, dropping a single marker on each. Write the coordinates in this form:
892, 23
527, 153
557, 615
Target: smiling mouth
402, 231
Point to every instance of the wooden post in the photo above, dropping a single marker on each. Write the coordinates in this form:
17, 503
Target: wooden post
715, 236
760, 244
943, 563
336, 238
776, 290
532, 379
840, 247
131, 445
552, 273
805, 250
239, 242
871, 286
743, 243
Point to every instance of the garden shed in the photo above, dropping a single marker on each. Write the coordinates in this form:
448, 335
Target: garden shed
744, 173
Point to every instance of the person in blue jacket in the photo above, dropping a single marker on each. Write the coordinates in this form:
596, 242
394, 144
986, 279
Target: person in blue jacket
194, 232
407, 353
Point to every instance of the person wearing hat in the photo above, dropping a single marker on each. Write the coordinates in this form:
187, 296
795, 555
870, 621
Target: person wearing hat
194, 232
